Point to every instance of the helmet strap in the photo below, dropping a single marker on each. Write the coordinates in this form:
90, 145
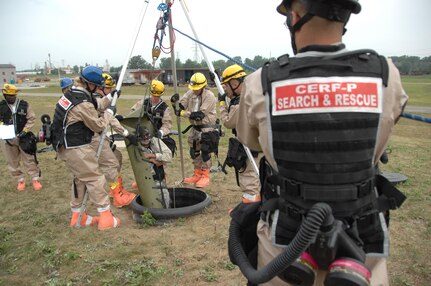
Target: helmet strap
240, 80
91, 90
293, 28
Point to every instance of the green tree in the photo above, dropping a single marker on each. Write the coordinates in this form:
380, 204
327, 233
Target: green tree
192, 64
137, 62
165, 63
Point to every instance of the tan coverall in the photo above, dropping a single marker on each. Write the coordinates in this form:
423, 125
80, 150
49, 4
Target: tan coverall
14, 154
82, 161
109, 164
206, 102
252, 131
249, 182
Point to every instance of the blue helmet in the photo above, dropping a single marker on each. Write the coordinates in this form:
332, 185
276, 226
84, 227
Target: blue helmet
65, 82
93, 75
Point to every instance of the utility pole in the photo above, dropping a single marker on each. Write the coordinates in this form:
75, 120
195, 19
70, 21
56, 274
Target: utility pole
49, 64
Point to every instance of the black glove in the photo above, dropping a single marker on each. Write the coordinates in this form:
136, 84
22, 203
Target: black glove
213, 75
197, 115
21, 134
118, 92
132, 139
119, 117
113, 108
175, 98
384, 158
222, 97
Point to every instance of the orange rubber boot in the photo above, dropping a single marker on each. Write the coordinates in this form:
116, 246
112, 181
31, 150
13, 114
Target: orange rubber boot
21, 186
37, 186
113, 186
107, 220
248, 199
193, 179
204, 180
121, 196
86, 220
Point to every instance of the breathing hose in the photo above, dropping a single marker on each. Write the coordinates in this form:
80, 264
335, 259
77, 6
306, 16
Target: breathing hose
308, 230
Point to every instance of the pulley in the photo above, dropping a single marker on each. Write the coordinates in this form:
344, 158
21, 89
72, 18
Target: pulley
155, 53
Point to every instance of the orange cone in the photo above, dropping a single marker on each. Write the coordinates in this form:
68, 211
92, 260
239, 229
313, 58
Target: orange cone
204, 180
107, 220
196, 177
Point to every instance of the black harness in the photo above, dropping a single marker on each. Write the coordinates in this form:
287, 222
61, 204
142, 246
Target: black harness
70, 135
324, 118
18, 119
155, 115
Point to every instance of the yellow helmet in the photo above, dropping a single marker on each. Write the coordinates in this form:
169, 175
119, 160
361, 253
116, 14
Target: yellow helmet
231, 72
9, 89
197, 81
109, 81
157, 88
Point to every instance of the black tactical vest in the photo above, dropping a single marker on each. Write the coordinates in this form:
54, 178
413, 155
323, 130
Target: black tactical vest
18, 119
155, 114
70, 135
324, 118
234, 101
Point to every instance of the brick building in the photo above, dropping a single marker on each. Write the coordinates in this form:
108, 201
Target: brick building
7, 74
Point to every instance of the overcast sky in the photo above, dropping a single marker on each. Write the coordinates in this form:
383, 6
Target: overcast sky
75, 32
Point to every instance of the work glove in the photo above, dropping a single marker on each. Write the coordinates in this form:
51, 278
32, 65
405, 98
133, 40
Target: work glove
119, 117
22, 133
132, 139
197, 115
112, 110
222, 97
159, 134
213, 75
175, 98
118, 92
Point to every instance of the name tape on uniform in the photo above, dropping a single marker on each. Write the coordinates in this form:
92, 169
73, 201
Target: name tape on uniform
64, 102
331, 94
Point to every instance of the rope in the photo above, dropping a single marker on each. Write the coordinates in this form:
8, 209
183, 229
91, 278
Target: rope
416, 117
214, 50
405, 115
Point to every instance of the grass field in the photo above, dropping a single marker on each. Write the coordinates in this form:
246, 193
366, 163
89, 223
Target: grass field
38, 248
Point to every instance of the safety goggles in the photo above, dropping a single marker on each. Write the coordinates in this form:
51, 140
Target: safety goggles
193, 83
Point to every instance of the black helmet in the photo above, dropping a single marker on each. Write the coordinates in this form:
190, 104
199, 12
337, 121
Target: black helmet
334, 10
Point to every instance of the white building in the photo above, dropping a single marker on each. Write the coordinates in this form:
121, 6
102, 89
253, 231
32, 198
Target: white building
7, 74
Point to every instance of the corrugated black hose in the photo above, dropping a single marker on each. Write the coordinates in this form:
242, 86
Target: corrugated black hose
308, 230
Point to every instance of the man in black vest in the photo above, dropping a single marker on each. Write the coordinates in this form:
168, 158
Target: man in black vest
18, 113
323, 119
159, 114
75, 121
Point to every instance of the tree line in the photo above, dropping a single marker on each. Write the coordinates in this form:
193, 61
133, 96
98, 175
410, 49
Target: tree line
407, 65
